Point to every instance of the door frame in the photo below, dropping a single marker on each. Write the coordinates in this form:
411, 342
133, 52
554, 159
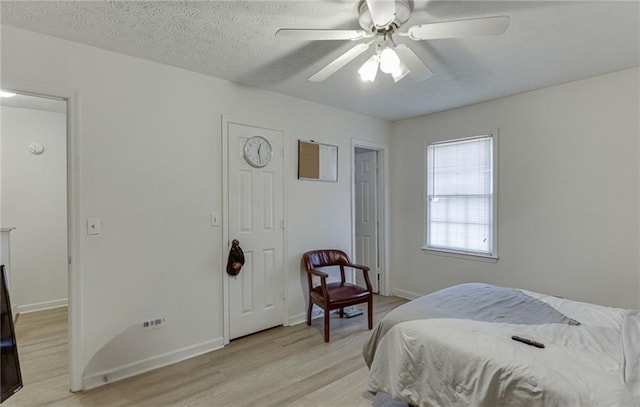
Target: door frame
225, 241
75, 328
383, 207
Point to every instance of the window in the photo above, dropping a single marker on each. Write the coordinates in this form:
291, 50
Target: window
460, 204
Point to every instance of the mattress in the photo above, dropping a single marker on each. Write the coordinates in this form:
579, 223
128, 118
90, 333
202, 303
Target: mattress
454, 348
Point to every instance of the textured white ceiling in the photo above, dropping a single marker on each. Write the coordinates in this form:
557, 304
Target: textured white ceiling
547, 43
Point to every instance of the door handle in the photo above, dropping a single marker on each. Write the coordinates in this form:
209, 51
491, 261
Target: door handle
236, 258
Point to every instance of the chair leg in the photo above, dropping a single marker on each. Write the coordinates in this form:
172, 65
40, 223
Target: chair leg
370, 313
341, 312
309, 312
326, 324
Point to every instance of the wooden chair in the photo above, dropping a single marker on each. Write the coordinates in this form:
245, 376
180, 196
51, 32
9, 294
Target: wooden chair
337, 295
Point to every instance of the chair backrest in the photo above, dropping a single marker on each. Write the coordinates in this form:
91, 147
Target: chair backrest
325, 257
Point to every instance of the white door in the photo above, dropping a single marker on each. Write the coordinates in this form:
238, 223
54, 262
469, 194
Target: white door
366, 213
255, 218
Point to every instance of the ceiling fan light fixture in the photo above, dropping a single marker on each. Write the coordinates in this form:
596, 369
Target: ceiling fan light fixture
400, 72
381, 20
369, 69
389, 61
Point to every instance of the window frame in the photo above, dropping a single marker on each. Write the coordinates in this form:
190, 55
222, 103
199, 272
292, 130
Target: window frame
470, 255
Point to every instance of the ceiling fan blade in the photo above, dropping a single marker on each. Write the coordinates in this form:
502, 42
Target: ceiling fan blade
318, 35
475, 27
339, 62
383, 12
418, 70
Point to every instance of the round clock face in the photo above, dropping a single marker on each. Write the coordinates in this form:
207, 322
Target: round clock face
257, 151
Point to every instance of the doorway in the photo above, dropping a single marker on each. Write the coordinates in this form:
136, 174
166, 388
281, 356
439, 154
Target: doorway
254, 215
34, 199
369, 210
64, 103
34, 206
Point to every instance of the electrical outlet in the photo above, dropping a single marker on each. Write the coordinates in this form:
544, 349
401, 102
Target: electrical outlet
154, 323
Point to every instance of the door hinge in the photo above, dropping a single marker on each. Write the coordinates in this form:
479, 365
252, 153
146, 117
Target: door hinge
282, 224
282, 152
69, 259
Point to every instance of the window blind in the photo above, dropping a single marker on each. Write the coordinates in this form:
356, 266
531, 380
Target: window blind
460, 196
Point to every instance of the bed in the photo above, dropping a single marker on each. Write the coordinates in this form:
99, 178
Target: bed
454, 347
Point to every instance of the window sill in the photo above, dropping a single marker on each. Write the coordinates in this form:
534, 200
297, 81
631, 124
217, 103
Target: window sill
461, 255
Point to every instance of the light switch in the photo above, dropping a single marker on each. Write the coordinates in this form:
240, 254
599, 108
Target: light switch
93, 226
215, 219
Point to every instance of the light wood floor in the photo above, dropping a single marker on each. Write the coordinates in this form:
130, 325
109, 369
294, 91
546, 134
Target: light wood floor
285, 366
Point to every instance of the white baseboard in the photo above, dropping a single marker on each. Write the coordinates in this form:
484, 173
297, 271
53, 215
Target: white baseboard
41, 306
154, 362
300, 318
405, 294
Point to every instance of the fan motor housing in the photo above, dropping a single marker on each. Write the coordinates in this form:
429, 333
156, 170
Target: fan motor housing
403, 11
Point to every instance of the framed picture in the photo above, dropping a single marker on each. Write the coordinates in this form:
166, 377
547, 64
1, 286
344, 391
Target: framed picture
317, 161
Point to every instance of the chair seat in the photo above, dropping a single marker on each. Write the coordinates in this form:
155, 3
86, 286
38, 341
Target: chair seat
339, 292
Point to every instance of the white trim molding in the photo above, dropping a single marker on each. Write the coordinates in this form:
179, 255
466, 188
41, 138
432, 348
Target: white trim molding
302, 318
152, 363
41, 306
405, 294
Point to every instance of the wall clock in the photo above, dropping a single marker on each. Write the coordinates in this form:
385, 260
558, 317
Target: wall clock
257, 151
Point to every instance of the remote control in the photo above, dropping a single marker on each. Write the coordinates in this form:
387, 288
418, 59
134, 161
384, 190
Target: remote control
528, 341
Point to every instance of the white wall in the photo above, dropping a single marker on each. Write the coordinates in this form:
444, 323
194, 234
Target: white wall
35, 202
150, 169
568, 193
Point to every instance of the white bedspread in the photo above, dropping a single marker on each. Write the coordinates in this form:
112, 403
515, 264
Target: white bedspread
460, 362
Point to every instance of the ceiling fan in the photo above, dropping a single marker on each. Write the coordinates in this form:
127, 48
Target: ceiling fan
380, 21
